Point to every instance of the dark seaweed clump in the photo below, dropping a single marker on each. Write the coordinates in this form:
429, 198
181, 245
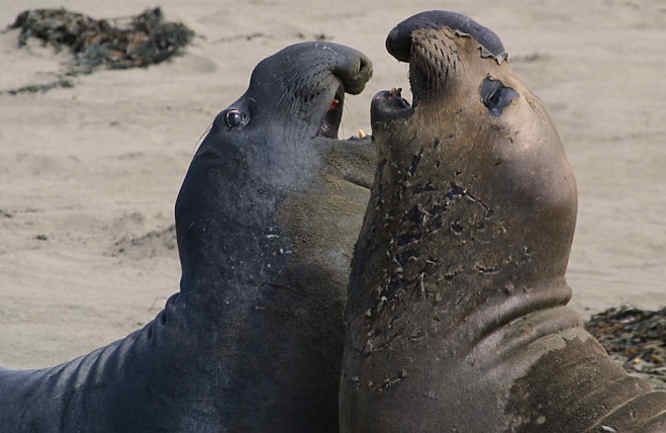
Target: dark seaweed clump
118, 43
638, 336
34, 88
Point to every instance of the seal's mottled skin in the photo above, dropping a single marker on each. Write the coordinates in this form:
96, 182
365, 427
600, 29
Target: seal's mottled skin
456, 316
266, 219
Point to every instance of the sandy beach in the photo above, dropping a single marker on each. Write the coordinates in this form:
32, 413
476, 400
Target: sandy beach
89, 175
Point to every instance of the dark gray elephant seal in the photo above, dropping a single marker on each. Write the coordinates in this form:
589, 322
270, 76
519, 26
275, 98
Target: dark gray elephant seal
457, 317
266, 219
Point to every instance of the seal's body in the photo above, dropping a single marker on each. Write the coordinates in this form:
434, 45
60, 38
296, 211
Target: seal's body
266, 219
456, 315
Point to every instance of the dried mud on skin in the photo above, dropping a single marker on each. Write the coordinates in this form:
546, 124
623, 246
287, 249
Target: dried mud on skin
116, 43
635, 337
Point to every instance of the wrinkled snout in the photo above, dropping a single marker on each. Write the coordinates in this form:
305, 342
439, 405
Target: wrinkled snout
352, 67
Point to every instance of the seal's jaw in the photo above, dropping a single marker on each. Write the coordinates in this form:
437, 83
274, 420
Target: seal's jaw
331, 119
388, 105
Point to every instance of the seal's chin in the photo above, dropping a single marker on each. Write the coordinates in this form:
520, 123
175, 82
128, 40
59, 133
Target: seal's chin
387, 106
330, 122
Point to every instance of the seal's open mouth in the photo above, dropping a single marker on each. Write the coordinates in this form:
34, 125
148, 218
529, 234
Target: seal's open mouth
428, 74
388, 105
330, 123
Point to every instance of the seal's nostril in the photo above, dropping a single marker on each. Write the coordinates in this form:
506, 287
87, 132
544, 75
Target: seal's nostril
354, 71
364, 64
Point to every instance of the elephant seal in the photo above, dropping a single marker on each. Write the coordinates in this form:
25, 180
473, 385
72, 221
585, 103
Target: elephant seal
266, 219
456, 314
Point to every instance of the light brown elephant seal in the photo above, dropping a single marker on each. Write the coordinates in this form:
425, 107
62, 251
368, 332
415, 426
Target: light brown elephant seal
456, 315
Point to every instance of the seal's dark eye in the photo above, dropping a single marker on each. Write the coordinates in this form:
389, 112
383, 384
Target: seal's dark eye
496, 96
234, 118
